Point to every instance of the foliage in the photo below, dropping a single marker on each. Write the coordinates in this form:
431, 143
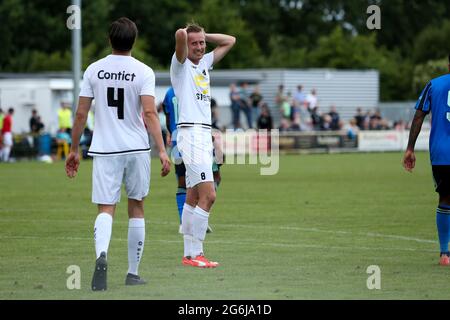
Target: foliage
426, 71
270, 34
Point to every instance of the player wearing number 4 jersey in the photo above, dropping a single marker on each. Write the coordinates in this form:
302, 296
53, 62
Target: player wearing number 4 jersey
435, 98
124, 92
189, 74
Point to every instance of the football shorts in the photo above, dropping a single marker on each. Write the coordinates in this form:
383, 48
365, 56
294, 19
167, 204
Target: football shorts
108, 174
196, 148
441, 176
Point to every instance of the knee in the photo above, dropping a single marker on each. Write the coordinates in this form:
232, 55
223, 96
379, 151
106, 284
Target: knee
209, 197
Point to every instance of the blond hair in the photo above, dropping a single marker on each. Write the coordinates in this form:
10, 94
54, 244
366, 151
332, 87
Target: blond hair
194, 27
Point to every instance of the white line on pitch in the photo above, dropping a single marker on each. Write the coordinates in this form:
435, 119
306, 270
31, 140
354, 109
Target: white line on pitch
244, 242
248, 226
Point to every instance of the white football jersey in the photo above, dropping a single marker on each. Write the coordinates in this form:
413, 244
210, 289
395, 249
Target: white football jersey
116, 83
191, 85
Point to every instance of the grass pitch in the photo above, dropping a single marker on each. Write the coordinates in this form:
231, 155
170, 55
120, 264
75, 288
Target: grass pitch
309, 232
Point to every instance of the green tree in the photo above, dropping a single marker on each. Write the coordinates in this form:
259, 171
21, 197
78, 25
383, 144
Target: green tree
32, 26
426, 71
342, 50
432, 43
157, 21
245, 53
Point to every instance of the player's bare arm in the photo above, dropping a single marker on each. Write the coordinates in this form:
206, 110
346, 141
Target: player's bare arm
73, 159
409, 159
152, 121
224, 43
181, 47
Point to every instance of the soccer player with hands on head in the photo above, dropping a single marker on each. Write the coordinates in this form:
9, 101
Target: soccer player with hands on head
189, 75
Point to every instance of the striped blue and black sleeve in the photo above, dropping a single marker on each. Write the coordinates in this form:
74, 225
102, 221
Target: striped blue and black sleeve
423, 103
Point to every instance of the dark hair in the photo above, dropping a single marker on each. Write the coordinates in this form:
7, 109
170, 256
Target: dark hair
449, 58
122, 34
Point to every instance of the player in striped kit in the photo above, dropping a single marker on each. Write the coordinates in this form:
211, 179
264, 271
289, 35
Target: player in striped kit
435, 98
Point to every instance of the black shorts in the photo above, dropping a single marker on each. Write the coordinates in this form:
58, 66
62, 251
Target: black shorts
180, 170
441, 176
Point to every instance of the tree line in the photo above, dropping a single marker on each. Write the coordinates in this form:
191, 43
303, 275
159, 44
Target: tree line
411, 46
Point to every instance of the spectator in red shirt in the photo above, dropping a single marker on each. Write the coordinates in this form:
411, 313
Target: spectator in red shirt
7, 136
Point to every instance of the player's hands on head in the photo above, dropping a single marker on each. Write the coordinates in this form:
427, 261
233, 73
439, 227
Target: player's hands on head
165, 162
409, 160
72, 163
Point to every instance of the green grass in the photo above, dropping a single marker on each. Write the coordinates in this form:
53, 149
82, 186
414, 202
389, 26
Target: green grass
309, 232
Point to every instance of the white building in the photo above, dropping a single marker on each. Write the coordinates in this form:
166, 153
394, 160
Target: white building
346, 89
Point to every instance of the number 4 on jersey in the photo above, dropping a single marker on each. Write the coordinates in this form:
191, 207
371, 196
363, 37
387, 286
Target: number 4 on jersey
116, 103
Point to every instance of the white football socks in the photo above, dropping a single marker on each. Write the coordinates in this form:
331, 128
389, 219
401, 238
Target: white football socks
136, 239
200, 225
186, 224
102, 232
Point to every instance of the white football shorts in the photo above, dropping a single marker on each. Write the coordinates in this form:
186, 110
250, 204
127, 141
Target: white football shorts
8, 139
196, 148
109, 172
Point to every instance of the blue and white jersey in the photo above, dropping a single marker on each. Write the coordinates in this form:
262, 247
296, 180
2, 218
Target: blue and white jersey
170, 106
435, 98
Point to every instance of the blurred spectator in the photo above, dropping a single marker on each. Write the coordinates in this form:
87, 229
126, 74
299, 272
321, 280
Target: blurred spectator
2, 116
299, 97
279, 98
399, 125
375, 121
33, 120
311, 99
65, 117
295, 126
256, 100
326, 122
282, 104
235, 106
299, 104
352, 129
214, 116
334, 118
360, 118
244, 101
63, 141
316, 118
288, 106
371, 120
284, 125
265, 119
7, 141
86, 137
36, 124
